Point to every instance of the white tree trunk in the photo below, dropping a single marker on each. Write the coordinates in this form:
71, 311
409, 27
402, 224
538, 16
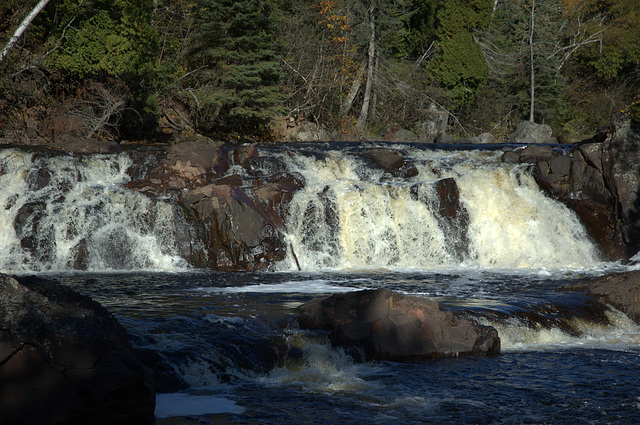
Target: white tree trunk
532, 67
22, 27
364, 112
355, 87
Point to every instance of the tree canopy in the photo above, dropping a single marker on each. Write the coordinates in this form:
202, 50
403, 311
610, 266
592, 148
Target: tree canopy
365, 67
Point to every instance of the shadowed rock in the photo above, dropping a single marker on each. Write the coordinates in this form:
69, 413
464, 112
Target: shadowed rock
65, 360
396, 327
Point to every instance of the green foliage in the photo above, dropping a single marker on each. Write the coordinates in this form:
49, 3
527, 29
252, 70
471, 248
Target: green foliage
460, 67
102, 38
230, 66
458, 16
239, 71
420, 26
619, 50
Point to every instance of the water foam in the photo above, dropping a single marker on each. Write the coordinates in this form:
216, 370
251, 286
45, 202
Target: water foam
352, 217
317, 286
64, 212
621, 333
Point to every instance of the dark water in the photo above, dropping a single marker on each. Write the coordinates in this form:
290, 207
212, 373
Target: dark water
228, 351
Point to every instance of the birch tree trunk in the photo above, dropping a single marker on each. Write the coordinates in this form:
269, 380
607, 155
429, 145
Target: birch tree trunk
374, 89
532, 87
22, 28
355, 87
364, 112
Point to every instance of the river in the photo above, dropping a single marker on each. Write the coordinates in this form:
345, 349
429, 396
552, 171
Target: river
226, 348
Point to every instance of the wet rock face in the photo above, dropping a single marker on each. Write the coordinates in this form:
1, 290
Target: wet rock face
396, 327
240, 219
452, 216
620, 290
65, 360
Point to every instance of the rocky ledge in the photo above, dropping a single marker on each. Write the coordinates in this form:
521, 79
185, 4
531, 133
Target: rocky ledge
619, 290
65, 360
391, 326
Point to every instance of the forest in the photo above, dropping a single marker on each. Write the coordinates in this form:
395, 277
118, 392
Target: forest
242, 70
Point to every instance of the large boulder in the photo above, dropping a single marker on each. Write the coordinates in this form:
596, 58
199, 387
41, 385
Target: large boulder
392, 326
620, 290
65, 360
529, 132
433, 127
241, 229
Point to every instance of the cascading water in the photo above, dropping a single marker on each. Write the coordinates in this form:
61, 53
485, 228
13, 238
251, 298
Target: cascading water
460, 227
61, 212
353, 216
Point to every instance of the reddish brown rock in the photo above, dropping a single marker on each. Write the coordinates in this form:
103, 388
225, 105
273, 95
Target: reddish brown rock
599, 179
239, 231
396, 327
620, 290
391, 161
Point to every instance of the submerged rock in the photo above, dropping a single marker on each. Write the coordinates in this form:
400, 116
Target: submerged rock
65, 360
396, 327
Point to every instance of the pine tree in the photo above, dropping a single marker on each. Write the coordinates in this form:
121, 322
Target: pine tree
235, 66
460, 66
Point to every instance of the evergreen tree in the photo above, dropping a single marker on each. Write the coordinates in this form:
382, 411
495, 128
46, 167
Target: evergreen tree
460, 66
235, 66
100, 37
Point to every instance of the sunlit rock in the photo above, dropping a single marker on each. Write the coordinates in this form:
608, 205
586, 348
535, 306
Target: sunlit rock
529, 132
392, 326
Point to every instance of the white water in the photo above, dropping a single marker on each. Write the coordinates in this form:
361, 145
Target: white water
350, 216
621, 333
59, 211
76, 209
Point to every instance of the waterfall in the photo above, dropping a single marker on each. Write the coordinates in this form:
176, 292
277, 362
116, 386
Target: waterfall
351, 215
62, 212
453, 209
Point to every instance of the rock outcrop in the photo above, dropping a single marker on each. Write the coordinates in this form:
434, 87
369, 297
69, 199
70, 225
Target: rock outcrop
236, 221
65, 360
599, 180
392, 326
619, 290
